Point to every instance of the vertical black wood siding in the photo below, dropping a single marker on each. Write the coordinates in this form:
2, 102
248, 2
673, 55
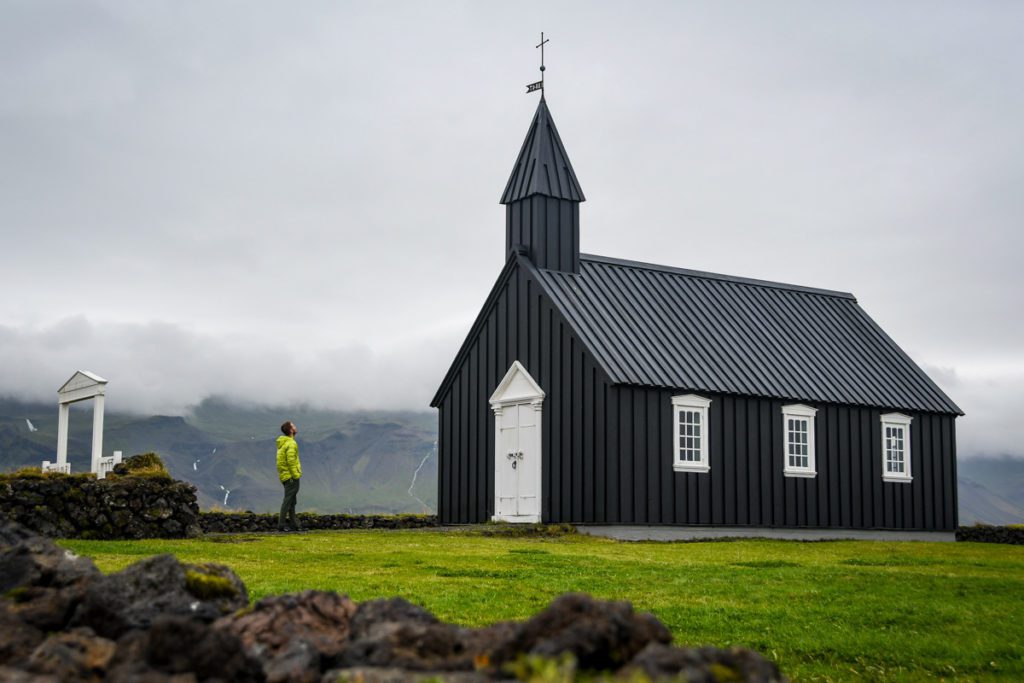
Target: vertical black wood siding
522, 325
549, 228
746, 485
608, 450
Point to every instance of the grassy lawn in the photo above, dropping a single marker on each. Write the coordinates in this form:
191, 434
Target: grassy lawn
827, 611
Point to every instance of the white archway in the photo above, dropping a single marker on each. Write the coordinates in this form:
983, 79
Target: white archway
82, 386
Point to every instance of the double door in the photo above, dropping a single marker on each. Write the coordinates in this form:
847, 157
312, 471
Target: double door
517, 463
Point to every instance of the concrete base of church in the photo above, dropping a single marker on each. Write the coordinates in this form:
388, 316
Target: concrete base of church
697, 533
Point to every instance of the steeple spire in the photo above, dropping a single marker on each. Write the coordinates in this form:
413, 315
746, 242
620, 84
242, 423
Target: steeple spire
543, 166
542, 199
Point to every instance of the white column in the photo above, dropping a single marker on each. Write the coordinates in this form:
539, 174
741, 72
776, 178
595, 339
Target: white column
97, 433
62, 433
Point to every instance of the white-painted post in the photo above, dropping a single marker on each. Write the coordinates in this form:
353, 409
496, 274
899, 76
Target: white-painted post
62, 433
97, 432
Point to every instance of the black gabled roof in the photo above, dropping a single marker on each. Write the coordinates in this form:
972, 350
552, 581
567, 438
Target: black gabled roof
543, 166
668, 327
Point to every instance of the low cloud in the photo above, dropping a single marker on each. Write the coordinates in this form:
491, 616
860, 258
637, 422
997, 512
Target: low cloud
160, 367
992, 396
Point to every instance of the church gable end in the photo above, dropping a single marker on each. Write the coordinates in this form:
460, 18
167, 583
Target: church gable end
520, 324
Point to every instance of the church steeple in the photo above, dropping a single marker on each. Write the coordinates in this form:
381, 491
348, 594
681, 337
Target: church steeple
542, 199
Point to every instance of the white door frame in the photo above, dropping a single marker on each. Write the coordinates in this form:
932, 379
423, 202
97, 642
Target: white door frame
517, 389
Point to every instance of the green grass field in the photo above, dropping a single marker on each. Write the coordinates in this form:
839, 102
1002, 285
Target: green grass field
824, 611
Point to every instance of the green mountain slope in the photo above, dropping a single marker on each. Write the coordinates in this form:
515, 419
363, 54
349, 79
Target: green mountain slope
352, 461
991, 490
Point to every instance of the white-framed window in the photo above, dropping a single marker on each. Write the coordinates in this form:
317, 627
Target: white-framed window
798, 436
896, 447
690, 433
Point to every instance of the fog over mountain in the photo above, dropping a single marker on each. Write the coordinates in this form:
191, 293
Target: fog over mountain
285, 203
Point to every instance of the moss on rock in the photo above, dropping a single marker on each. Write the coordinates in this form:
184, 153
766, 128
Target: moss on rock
205, 583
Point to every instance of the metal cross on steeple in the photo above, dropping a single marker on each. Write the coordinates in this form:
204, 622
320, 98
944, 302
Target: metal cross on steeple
539, 85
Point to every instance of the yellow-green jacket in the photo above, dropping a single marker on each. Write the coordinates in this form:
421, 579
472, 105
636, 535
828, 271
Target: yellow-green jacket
288, 465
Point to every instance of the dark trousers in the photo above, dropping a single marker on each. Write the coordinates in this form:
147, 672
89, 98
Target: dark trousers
291, 492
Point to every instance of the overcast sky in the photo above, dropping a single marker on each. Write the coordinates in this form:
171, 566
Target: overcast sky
284, 201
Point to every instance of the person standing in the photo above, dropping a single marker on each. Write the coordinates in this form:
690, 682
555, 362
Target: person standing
289, 470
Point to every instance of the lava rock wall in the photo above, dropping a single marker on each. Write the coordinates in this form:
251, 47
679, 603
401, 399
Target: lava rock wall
250, 522
982, 533
82, 507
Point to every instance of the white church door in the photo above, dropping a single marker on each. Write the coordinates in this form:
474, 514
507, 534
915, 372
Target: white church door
517, 405
517, 465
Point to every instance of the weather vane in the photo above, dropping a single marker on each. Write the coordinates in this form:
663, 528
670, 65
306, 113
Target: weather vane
539, 85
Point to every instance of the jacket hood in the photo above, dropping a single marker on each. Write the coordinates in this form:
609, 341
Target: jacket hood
283, 439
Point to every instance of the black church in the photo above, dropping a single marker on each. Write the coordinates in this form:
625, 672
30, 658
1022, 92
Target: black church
597, 390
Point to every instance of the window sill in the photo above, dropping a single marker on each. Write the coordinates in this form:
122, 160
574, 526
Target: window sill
691, 468
803, 474
897, 480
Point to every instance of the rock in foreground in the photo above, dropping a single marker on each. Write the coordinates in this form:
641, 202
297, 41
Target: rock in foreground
162, 620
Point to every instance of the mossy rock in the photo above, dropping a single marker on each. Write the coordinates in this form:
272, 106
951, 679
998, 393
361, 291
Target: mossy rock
35, 473
148, 465
207, 582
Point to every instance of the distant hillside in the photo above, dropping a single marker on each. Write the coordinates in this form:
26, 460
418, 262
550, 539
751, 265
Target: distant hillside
358, 461
352, 461
991, 490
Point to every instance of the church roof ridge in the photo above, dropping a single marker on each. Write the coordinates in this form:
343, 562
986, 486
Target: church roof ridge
543, 166
706, 275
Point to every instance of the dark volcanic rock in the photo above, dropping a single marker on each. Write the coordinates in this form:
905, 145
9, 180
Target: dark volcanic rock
395, 675
703, 665
983, 533
75, 656
396, 633
600, 635
11, 675
295, 635
43, 582
174, 647
373, 616
18, 638
160, 586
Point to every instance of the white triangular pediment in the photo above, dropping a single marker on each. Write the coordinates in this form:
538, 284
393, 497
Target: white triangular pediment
516, 386
83, 379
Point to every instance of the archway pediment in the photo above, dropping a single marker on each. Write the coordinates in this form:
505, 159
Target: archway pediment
82, 385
